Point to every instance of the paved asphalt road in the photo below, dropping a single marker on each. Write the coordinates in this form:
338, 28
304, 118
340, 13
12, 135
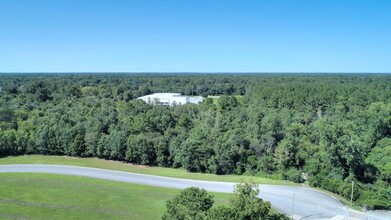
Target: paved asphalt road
307, 203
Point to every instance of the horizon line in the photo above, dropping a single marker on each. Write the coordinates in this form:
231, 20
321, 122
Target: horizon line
191, 72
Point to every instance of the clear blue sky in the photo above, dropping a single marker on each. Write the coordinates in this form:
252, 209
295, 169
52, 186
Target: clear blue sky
195, 36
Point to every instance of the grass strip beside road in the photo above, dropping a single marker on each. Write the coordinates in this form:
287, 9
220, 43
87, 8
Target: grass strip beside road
121, 166
159, 171
49, 196
341, 199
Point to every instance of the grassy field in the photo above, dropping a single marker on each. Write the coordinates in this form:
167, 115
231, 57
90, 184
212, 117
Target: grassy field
215, 98
116, 165
48, 196
113, 165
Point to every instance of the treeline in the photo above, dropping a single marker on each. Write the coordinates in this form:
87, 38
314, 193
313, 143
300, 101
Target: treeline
334, 128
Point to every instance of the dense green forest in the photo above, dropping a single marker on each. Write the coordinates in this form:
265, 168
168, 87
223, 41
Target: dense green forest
334, 128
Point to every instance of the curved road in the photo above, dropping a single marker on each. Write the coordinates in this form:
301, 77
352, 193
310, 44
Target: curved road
307, 203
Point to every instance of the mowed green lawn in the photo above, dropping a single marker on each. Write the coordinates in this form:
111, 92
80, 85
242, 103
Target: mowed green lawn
48, 196
116, 165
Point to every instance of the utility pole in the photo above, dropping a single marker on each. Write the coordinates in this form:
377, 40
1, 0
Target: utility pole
351, 196
293, 204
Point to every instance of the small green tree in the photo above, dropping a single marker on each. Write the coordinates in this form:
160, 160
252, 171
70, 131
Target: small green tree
245, 203
192, 203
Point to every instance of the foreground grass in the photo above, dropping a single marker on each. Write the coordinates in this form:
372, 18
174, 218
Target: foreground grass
160, 171
116, 165
48, 196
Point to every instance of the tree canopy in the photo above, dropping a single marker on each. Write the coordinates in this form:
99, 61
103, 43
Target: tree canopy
334, 128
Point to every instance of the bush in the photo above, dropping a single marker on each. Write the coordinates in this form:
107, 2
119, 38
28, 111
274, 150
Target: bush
325, 183
345, 189
379, 199
293, 175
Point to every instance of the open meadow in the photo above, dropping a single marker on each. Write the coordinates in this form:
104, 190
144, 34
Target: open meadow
47, 196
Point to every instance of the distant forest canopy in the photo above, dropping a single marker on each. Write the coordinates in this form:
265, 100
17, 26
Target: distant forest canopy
334, 128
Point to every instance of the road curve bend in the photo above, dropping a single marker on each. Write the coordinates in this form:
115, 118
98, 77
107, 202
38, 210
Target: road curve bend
304, 202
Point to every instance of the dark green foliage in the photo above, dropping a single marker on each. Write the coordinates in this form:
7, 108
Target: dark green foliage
246, 205
191, 204
378, 199
7, 119
227, 102
195, 204
221, 213
333, 128
141, 149
380, 158
196, 151
293, 175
